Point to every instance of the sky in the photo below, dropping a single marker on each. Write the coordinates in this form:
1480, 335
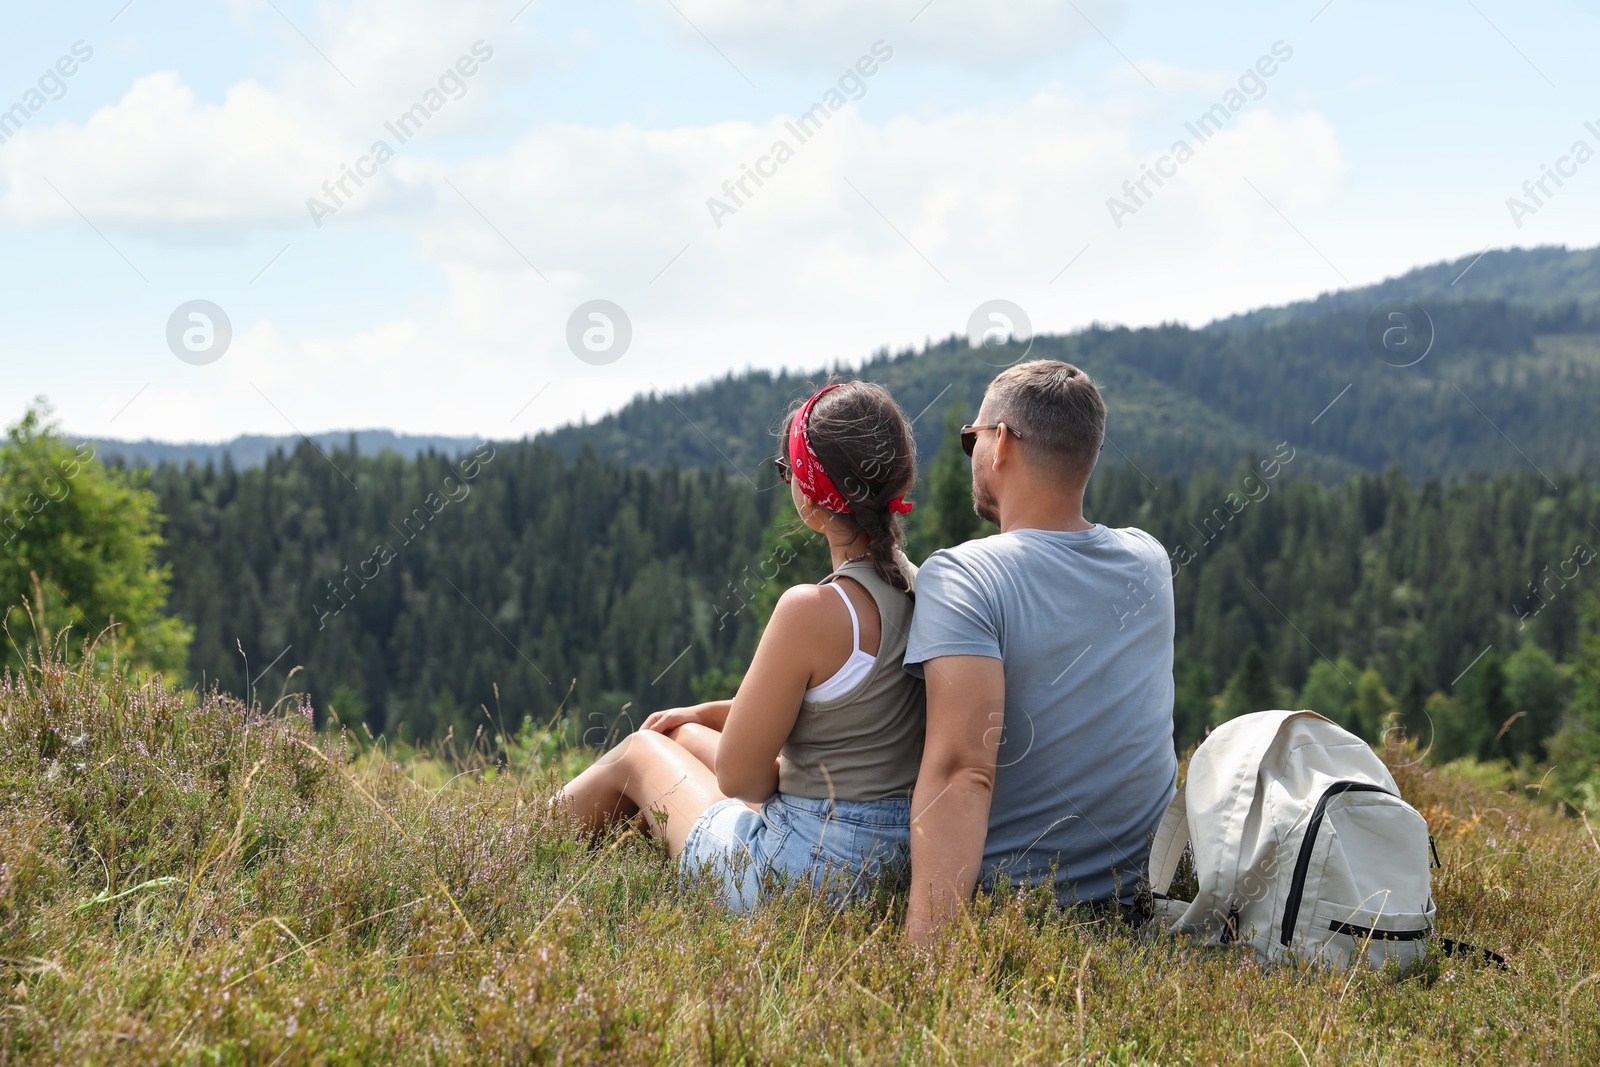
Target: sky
294, 216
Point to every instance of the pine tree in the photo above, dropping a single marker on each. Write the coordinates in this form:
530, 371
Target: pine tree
1413, 705
1483, 695
1250, 689
950, 482
1534, 691
1453, 730
1191, 707
1373, 706
1575, 750
1330, 692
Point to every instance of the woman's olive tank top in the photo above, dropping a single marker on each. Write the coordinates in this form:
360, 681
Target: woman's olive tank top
865, 744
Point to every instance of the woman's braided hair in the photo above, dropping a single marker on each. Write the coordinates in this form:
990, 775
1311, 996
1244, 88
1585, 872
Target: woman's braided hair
864, 443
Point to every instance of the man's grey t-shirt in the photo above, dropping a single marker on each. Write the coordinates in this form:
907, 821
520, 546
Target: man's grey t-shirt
1083, 623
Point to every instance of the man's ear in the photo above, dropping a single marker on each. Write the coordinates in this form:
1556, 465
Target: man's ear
1004, 441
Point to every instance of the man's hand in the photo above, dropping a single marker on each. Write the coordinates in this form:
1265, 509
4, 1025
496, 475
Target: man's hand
950, 805
713, 714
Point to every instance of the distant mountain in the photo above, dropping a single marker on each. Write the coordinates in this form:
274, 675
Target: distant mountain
252, 450
1503, 373
1543, 278
735, 420
1499, 386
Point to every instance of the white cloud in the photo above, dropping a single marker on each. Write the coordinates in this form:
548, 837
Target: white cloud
410, 310
160, 158
178, 166
873, 233
389, 50
994, 36
161, 161
805, 271
1211, 211
1171, 78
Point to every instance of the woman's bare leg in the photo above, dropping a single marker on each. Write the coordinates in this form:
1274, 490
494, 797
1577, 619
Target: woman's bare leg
649, 773
700, 741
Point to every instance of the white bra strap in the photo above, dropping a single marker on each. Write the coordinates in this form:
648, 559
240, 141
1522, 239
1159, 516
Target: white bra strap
855, 624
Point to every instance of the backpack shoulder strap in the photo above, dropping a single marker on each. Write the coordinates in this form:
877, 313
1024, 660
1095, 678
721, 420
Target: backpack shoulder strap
1172, 837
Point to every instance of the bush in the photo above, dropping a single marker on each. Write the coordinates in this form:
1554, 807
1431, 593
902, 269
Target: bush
80, 553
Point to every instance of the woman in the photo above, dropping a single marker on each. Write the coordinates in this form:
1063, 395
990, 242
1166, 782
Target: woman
806, 774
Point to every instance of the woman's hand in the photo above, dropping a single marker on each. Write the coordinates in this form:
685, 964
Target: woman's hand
713, 714
672, 718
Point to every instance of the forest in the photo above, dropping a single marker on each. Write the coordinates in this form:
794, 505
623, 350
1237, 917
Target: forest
442, 595
1501, 387
1399, 547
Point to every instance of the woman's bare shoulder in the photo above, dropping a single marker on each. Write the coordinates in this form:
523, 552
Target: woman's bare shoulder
805, 604
806, 613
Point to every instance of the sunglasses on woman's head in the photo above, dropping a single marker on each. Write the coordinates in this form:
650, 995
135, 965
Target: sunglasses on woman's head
969, 435
784, 470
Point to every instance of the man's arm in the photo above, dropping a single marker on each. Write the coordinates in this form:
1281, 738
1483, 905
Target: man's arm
950, 805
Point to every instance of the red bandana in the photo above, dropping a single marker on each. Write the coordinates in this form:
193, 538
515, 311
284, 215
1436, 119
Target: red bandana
808, 473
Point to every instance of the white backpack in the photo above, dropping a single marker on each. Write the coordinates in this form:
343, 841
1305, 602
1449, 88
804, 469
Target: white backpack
1303, 848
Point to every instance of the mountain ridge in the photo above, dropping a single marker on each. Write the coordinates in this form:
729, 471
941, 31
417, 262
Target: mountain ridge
1509, 373
1544, 276
250, 450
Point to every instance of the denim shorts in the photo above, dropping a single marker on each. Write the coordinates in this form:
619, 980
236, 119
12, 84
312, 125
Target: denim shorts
834, 847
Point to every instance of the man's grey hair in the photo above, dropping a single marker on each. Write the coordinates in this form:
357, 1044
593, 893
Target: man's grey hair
1058, 410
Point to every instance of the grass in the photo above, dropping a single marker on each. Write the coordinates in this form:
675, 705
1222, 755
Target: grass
185, 880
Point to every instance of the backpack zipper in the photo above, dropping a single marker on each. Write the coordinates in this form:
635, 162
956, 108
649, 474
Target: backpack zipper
1364, 932
1302, 863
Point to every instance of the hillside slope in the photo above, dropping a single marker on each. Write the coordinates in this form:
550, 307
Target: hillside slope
736, 419
1544, 277
1502, 387
226, 885
1510, 380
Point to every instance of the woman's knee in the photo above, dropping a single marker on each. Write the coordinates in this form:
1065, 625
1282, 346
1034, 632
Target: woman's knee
699, 741
686, 732
645, 745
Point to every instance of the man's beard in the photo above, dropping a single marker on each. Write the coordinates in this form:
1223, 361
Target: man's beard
984, 502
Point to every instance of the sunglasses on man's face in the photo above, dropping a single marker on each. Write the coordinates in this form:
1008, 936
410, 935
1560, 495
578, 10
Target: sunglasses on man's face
969, 434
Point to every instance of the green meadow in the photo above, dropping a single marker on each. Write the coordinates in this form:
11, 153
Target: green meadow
185, 879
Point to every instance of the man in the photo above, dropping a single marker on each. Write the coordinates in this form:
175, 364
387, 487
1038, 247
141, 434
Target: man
1047, 650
